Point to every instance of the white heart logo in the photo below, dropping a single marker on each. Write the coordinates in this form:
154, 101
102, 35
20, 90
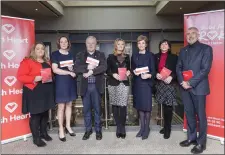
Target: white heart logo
8, 28
10, 80
212, 35
9, 54
11, 107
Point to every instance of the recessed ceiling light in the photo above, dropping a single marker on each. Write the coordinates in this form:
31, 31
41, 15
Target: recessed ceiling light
180, 8
36, 9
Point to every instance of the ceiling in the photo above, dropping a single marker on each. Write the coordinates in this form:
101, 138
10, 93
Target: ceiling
33, 9
99, 3
184, 7
54, 9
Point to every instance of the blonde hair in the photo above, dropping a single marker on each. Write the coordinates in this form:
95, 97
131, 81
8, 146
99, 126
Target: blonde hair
115, 46
141, 37
33, 56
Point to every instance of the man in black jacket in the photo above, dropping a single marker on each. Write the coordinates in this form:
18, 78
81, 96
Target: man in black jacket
92, 85
196, 58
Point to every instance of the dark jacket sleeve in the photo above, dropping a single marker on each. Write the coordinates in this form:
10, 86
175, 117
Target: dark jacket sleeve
128, 62
206, 65
102, 67
109, 71
80, 65
152, 65
133, 64
179, 68
173, 74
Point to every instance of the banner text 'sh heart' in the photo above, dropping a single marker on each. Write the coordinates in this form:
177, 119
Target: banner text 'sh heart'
17, 39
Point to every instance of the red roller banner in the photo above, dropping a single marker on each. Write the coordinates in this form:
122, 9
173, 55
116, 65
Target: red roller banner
211, 28
16, 41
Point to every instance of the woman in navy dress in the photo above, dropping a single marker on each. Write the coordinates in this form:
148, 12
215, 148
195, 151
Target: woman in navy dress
65, 84
142, 83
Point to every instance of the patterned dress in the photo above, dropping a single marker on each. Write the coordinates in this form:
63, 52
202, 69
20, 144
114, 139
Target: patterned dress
118, 95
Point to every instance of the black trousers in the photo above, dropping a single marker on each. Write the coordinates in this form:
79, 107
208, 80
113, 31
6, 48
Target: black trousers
38, 124
195, 105
119, 114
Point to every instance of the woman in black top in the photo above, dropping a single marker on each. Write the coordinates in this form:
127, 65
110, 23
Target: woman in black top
165, 88
118, 84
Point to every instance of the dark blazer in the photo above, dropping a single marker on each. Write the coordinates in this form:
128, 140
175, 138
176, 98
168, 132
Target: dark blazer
171, 63
150, 60
98, 72
198, 58
112, 67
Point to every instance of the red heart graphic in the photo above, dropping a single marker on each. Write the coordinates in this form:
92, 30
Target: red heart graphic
8, 28
11, 106
10, 80
9, 54
212, 35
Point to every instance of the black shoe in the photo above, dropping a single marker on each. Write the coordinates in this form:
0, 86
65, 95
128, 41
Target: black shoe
198, 149
161, 131
71, 134
145, 134
123, 136
98, 135
118, 135
62, 139
187, 143
167, 134
39, 142
46, 137
87, 135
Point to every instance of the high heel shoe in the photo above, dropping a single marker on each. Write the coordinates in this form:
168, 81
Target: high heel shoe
62, 139
71, 134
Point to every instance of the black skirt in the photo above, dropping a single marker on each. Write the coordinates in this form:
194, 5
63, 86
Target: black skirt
38, 100
165, 93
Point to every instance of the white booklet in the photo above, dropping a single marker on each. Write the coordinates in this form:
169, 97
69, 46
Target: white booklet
67, 63
142, 70
92, 61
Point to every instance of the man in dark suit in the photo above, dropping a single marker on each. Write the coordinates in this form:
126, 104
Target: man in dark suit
196, 57
92, 85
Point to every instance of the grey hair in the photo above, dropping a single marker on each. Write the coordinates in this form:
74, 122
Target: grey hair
91, 37
193, 28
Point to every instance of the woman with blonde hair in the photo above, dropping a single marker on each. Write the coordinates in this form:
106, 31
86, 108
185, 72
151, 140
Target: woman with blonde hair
38, 95
118, 70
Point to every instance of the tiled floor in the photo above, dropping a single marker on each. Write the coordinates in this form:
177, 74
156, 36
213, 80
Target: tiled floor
155, 144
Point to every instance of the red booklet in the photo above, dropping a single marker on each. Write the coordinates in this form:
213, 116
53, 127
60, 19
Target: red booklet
46, 74
187, 75
165, 72
122, 73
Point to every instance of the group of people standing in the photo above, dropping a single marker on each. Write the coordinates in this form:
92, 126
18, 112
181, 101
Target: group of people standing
144, 67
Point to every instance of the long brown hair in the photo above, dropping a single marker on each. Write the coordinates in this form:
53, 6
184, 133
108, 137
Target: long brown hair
33, 56
115, 47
